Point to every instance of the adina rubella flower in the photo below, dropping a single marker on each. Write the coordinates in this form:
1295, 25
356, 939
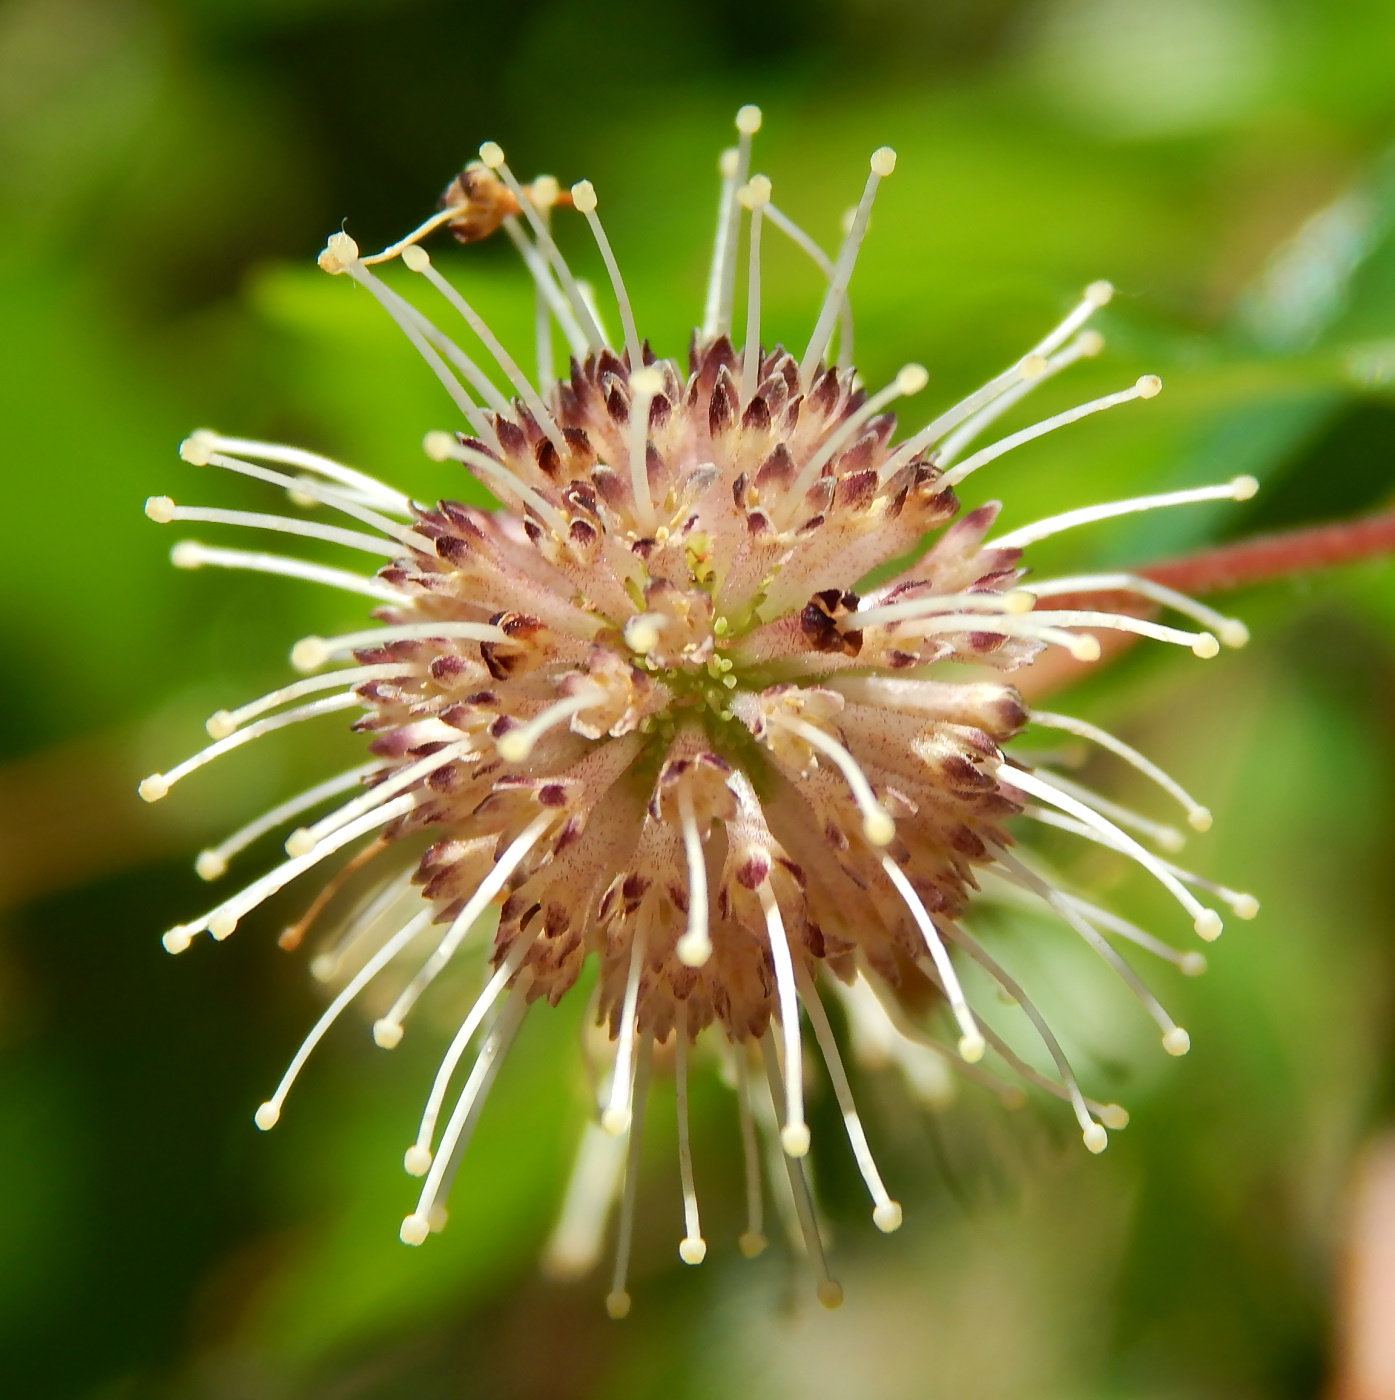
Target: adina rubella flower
648, 712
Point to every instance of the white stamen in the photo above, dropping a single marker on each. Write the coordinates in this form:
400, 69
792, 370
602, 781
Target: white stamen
224, 722
970, 1037
222, 920
616, 1117
1093, 1135
190, 554
514, 745
304, 839
748, 122
324, 966
153, 788
418, 261
465, 1115
880, 615
1240, 489
1146, 388
1206, 921
642, 632
584, 200
886, 1213
1085, 345
752, 1240
1231, 631
617, 1303
1042, 620
463, 922
911, 379
408, 243
693, 1249
877, 824
645, 383
542, 314
419, 1156
1097, 294
794, 1133
493, 157
548, 290
213, 863
1081, 646
695, 946
441, 446
883, 163
162, 510
575, 1244
198, 449
1197, 815
827, 1289
269, 1112
1168, 838
824, 263
722, 246
755, 195
312, 652
1190, 964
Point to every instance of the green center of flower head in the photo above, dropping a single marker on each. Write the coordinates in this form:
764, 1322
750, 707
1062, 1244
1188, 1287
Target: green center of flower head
643, 709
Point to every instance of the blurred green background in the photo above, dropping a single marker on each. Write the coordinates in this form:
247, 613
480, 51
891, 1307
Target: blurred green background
168, 172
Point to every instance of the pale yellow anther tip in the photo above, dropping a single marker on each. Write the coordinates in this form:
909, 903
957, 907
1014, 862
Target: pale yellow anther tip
416, 258
830, 1293
911, 379
617, 1304
414, 1229
883, 161
1089, 343
267, 1116
300, 842
222, 925
387, 1035
584, 197
544, 191
1234, 633
514, 746
971, 1048
879, 828
694, 949
887, 1217
1099, 293
728, 163
1243, 487
616, 1121
1199, 819
755, 193
1177, 1041
187, 554
153, 788
309, 653
1206, 646
160, 509
1086, 648
1170, 839
751, 1243
1208, 925
323, 966
1192, 964
748, 119
1033, 366
219, 724
417, 1160
340, 252
1019, 600
1246, 906
794, 1138
1095, 1138
438, 446
1114, 1116
197, 448
210, 865
492, 154
647, 380
176, 940
1149, 386
692, 1251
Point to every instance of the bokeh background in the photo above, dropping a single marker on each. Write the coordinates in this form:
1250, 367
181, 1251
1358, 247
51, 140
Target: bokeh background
168, 172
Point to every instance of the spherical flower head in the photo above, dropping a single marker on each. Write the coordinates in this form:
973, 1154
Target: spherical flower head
649, 711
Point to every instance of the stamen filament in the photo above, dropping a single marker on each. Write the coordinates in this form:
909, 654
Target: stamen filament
880, 615
617, 1302
616, 1117
728, 167
1190, 963
1167, 838
645, 383
163, 511
575, 1243
754, 196
584, 200
310, 652
752, 1240
393, 250
695, 946
190, 554
883, 163
748, 121
1231, 631
439, 446
1146, 388
213, 863
794, 1134
886, 1213
877, 824
514, 745
824, 263
269, 1112
548, 290
1097, 294
1240, 489
224, 722
693, 1249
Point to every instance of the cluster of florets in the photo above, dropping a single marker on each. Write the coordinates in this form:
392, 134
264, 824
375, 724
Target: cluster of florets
644, 712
